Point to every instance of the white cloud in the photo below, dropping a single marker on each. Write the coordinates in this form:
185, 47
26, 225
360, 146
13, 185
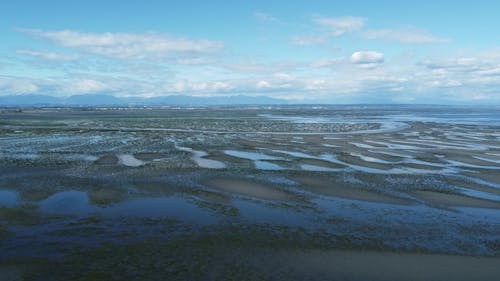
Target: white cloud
341, 25
491, 72
445, 83
47, 55
194, 61
344, 82
326, 62
261, 67
283, 76
406, 35
126, 45
85, 86
367, 59
15, 86
461, 64
198, 87
462, 77
361, 76
263, 84
315, 85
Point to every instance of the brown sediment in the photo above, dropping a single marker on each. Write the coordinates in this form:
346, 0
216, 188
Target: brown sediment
248, 188
422, 167
469, 159
492, 176
430, 157
144, 156
337, 188
445, 200
381, 156
265, 144
378, 266
222, 157
107, 160
36, 194
156, 188
473, 185
11, 273
321, 163
349, 159
105, 196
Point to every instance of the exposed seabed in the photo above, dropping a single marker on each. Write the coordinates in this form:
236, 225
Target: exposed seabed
293, 193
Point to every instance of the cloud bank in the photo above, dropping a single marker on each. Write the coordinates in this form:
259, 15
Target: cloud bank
126, 45
339, 59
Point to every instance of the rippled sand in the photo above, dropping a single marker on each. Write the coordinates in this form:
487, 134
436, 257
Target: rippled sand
367, 194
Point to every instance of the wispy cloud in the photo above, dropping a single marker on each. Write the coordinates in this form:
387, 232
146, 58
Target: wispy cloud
362, 77
126, 45
267, 18
340, 25
48, 55
406, 35
198, 87
461, 64
264, 17
257, 67
308, 40
14, 85
154, 64
326, 62
85, 86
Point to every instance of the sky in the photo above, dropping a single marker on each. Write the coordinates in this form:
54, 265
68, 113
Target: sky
423, 52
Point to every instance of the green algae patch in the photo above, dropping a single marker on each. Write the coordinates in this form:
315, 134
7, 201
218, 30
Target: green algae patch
22, 215
106, 196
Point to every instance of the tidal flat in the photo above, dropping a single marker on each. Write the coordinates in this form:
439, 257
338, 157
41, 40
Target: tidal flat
250, 193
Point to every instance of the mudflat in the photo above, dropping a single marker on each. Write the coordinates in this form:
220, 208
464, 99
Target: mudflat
270, 193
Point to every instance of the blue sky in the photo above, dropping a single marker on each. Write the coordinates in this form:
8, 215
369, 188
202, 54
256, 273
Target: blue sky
305, 51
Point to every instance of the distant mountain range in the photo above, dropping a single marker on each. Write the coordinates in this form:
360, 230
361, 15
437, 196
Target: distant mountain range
108, 100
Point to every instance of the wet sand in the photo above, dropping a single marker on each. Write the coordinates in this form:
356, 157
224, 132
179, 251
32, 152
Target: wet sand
336, 188
247, 188
454, 200
383, 266
118, 182
10, 273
